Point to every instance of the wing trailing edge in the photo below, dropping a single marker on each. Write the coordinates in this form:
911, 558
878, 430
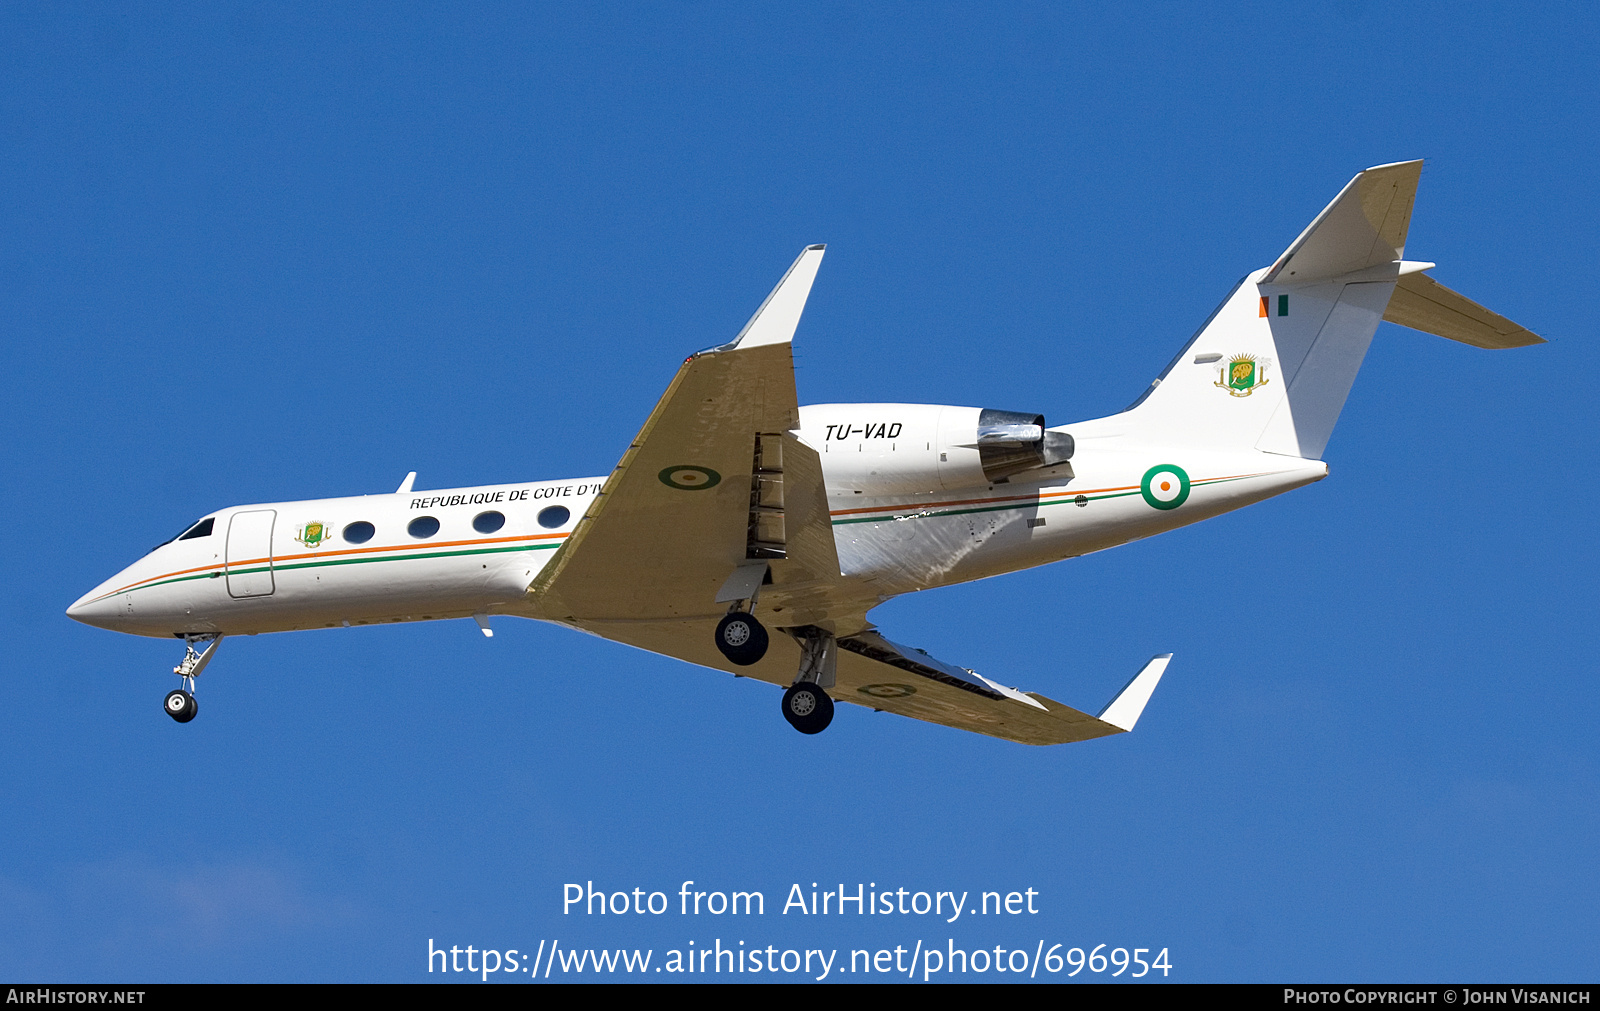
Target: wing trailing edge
673, 522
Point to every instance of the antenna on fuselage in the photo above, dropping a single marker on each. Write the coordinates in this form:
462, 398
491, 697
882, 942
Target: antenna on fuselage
405, 485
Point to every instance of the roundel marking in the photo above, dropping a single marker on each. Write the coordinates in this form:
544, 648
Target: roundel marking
1165, 486
887, 691
689, 478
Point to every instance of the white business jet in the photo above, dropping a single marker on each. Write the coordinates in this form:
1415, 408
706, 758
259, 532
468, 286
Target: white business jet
743, 532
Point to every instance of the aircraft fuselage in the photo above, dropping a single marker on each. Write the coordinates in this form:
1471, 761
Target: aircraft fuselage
456, 553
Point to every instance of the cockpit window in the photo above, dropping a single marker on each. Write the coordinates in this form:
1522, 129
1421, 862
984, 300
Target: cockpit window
192, 530
201, 529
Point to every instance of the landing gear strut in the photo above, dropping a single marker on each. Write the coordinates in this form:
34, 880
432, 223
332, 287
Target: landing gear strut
180, 703
806, 704
740, 636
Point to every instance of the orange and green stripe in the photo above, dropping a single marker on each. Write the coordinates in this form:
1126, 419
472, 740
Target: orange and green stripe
348, 556
962, 507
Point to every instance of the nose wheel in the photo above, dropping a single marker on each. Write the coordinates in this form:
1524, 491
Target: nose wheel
181, 706
180, 703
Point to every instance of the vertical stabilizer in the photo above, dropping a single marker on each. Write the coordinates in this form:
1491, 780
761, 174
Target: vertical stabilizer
1273, 365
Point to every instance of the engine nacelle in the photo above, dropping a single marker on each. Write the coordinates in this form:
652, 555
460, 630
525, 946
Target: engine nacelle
908, 449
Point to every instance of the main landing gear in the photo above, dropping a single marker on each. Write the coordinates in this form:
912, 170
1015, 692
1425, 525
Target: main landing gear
806, 704
807, 708
180, 703
741, 638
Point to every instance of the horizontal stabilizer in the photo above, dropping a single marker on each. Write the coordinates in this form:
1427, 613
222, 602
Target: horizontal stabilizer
1365, 226
1422, 303
1124, 710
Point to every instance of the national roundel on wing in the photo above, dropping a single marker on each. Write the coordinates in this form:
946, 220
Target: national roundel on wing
686, 478
1165, 486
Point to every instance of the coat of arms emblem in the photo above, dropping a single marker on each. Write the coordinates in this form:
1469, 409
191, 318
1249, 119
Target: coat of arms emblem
312, 534
1242, 375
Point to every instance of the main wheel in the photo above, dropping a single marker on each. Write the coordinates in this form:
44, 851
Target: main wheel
807, 708
181, 706
741, 638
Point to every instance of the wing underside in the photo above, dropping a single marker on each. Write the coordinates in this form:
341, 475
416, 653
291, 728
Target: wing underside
879, 674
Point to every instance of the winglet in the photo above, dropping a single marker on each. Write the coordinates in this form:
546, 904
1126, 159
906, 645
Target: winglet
779, 315
1124, 710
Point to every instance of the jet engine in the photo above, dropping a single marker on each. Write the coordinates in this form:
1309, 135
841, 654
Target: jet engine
1012, 443
909, 449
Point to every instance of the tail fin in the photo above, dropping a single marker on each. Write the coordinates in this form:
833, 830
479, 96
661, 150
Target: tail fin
1272, 366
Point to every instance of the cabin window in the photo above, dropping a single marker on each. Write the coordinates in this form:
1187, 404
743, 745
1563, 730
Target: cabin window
553, 517
423, 527
201, 529
489, 522
359, 532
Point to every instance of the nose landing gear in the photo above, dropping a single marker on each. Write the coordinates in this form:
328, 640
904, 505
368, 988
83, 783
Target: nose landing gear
180, 703
181, 706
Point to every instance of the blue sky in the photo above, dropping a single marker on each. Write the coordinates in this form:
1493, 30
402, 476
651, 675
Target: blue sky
266, 252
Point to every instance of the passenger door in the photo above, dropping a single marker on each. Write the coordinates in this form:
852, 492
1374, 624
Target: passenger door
249, 557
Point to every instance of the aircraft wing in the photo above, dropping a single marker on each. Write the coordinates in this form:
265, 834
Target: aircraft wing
874, 672
715, 495
713, 481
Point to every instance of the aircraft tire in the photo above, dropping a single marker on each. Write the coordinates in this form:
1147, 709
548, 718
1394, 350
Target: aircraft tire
181, 706
741, 638
807, 708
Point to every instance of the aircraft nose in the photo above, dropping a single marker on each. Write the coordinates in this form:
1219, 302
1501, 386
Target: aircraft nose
94, 608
